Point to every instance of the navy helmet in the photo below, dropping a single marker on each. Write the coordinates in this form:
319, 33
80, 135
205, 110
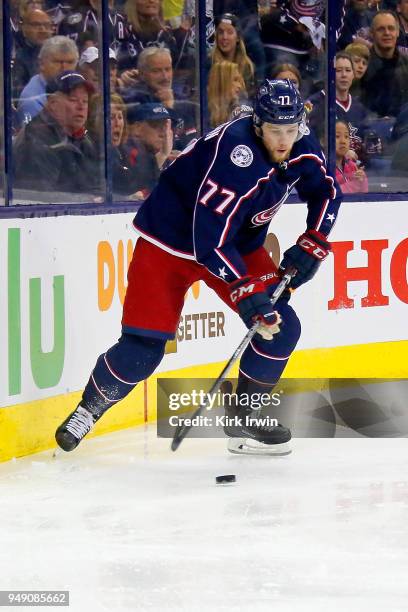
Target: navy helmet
278, 101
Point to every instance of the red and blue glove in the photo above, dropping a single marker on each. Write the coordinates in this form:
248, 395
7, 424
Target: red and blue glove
306, 255
253, 303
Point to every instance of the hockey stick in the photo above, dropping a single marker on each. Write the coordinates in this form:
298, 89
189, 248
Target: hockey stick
182, 430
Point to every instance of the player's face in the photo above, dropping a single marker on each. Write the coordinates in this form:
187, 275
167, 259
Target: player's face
279, 139
227, 39
360, 66
342, 140
344, 75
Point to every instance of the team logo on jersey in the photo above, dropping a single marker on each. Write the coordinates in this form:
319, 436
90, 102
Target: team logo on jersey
242, 156
265, 216
74, 19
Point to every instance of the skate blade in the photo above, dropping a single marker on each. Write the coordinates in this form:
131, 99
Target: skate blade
246, 446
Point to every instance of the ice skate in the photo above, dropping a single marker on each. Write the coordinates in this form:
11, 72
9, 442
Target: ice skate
253, 433
75, 427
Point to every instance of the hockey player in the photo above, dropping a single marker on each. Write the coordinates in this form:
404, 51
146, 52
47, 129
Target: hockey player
207, 220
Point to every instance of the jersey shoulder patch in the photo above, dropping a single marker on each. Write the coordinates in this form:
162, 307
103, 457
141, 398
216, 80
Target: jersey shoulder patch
242, 156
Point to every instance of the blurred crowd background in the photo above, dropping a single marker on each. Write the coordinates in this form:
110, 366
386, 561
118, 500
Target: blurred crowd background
59, 149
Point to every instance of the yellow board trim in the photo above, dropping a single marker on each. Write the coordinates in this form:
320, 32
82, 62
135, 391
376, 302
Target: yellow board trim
29, 428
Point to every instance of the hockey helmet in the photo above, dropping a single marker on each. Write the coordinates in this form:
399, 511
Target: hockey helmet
278, 101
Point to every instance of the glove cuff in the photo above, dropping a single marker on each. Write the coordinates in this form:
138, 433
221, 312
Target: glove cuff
315, 244
244, 287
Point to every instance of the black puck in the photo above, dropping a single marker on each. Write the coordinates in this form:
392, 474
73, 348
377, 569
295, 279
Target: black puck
226, 478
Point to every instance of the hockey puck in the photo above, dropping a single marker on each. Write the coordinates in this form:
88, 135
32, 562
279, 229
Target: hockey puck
225, 479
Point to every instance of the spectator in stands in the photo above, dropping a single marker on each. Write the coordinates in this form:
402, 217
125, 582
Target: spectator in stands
57, 54
53, 152
156, 85
34, 30
89, 66
360, 55
146, 29
85, 25
402, 11
230, 47
18, 10
357, 23
348, 108
247, 10
287, 71
226, 91
351, 177
150, 143
384, 87
125, 180
293, 33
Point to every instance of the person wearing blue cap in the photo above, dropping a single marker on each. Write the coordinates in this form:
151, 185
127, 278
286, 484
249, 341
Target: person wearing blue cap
54, 152
150, 141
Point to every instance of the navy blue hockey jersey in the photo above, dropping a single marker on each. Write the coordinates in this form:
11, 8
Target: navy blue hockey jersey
214, 203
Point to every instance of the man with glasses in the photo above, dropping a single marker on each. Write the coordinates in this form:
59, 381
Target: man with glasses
36, 28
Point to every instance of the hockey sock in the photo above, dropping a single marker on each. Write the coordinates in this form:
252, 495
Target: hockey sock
119, 370
263, 361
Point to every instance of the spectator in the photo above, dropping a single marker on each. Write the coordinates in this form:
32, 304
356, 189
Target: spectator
56, 55
402, 12
249, 24
348, 109
351, 177
53, 152
150, 143
35, 28
293, 33
384, 87
226, 91
84, 26
18, 10
156, 85
230, 47
146, 29
125, 180
357, 23
360, 54
89, 66
287, 71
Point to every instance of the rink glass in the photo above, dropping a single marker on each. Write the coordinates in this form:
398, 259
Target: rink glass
2, 138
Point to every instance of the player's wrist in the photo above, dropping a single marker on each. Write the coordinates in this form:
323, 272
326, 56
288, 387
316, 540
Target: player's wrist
245, 287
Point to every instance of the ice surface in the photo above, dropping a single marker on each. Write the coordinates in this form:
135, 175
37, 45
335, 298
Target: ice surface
125, 524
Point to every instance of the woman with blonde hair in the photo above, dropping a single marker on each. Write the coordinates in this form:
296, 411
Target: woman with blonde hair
226, 90
230, 47
147, 28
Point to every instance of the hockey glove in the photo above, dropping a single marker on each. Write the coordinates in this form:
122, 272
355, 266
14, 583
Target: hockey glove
306, 256
254, 304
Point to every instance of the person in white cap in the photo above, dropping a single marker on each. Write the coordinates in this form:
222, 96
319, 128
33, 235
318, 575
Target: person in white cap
91, 69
